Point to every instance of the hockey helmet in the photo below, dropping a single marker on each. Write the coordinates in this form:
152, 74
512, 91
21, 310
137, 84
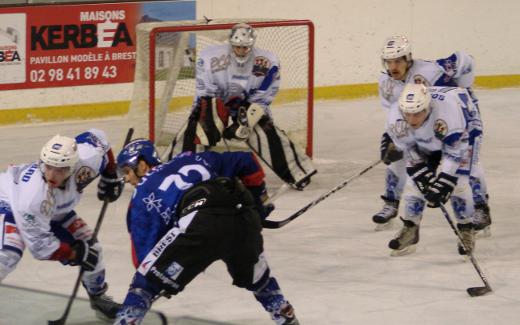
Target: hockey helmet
396, 47
242, 35
60, 151
414, 98
135, 150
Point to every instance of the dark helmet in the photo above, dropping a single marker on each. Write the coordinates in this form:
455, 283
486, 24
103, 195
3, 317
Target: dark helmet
135, 150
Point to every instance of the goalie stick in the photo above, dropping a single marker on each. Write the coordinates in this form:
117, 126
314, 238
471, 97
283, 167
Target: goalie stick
63, 319
473, 291
270, 224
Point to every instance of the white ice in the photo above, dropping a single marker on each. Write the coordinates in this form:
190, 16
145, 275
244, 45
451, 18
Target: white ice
330, 263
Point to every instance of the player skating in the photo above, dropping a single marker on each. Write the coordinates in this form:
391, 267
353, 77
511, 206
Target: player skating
190, 212
400, 69
37, 203
432, 128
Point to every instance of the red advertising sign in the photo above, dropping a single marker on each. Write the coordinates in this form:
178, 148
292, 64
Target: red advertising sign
71, 45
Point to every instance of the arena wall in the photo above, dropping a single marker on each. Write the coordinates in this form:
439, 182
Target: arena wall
349, 35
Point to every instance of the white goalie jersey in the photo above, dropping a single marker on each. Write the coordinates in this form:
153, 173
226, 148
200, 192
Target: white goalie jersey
34, 204
218, 75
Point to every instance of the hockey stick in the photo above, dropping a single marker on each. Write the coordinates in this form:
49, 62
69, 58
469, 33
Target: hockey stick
473, 291
63, 318
269, 224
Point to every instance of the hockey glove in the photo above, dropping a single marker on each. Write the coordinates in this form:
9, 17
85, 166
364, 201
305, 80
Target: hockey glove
389, 151
110, 186
440, 191
260, 196
422, 175
85, 255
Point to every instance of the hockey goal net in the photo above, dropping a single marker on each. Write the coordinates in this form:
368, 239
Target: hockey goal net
164, 84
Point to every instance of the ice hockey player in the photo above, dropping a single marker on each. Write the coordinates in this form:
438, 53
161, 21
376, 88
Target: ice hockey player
190, 212
37, 203
239, 81
431, 127
400, 69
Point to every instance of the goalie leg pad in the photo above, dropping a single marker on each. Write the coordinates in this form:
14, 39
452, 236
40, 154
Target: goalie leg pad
282, 155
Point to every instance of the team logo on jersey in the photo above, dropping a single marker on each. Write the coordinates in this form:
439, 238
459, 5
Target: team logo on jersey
400, 128
420, 79
440, 129
83, 177
152, 203
387, 89
261, 66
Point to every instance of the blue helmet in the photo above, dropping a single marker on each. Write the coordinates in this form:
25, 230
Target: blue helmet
135, 150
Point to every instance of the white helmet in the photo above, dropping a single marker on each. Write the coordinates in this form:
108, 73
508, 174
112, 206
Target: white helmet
242, 35
60, 151
396, 47
414, 98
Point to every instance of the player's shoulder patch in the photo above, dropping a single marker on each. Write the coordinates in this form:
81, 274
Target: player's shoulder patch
440, 129
83, 176
261, 65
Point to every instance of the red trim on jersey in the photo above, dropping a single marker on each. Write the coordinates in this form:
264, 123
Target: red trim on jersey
64, 252
111, 165
134, 254
255, 179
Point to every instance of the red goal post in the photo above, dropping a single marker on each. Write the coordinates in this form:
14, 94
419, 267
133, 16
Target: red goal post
163, 92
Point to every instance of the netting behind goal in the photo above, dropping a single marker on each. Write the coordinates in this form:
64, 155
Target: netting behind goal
164, 84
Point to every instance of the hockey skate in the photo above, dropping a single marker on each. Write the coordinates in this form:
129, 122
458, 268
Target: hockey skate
383, 218
482, 223
405, 240
467, 234
103, 305
287, 316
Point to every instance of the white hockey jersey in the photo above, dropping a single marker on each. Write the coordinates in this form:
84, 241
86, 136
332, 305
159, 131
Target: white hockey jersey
445, 129
219, 75
454, 71
35, 205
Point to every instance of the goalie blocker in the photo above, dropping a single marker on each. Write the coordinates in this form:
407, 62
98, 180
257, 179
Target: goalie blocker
208, 124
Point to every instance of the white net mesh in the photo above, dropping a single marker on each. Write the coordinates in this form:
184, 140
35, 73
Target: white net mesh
175, 54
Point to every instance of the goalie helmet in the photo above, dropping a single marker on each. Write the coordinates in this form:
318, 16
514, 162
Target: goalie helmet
60, 151
242, 35
396, 47
414, 99
135, 150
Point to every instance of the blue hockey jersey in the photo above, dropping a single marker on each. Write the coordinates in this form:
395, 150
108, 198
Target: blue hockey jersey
152, 210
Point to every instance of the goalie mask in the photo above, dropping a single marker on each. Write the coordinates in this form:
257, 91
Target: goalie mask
242, 39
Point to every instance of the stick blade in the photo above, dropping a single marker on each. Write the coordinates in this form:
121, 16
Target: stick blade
478, 291
56, 322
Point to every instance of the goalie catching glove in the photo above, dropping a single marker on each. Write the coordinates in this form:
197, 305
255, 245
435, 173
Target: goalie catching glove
440, 190
246, 119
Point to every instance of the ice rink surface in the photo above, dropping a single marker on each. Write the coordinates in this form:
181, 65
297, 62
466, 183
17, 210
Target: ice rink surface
331, 264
